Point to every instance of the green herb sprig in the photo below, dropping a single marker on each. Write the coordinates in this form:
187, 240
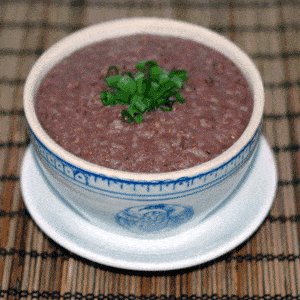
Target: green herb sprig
149, 89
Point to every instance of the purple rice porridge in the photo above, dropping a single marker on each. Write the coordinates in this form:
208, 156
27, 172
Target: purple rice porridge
217, 109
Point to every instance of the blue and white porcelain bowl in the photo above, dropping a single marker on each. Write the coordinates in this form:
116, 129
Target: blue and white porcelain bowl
143, 205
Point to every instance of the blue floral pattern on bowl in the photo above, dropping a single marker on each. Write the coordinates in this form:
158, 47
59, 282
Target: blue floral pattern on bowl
153, 218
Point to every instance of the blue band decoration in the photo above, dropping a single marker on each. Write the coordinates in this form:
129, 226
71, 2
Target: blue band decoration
103, 185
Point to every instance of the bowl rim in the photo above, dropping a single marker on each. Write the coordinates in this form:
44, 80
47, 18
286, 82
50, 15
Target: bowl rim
144, 25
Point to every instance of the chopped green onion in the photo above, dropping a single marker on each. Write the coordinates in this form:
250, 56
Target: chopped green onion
143, 91
135, 114
139, 118
163, 79
112, 68
178, 97
132, 110
123, 97
177, 81
127, 73
153, 91
166, 108
146, 65
155, 73
139, 80
127, 84
160, 101
113, 80
126, 116
138, 103
108, 98
179, 73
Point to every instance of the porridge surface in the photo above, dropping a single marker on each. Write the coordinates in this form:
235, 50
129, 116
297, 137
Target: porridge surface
217, 109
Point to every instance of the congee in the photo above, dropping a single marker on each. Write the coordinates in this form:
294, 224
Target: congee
217, 108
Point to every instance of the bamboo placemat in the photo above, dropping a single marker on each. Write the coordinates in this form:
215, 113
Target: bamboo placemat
266, 266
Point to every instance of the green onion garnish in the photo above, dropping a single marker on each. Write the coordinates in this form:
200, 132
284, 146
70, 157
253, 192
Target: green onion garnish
149, 89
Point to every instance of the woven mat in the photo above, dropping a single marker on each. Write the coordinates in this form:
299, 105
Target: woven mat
266, 266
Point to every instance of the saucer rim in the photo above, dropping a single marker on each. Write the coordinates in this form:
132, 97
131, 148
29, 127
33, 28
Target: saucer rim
59, 235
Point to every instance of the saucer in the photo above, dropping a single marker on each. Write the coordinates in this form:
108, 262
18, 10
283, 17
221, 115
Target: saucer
223, 230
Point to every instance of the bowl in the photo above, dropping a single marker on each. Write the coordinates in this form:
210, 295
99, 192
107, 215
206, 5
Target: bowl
143, 205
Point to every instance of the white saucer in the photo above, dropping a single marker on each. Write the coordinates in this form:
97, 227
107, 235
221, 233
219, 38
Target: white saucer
227, 227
